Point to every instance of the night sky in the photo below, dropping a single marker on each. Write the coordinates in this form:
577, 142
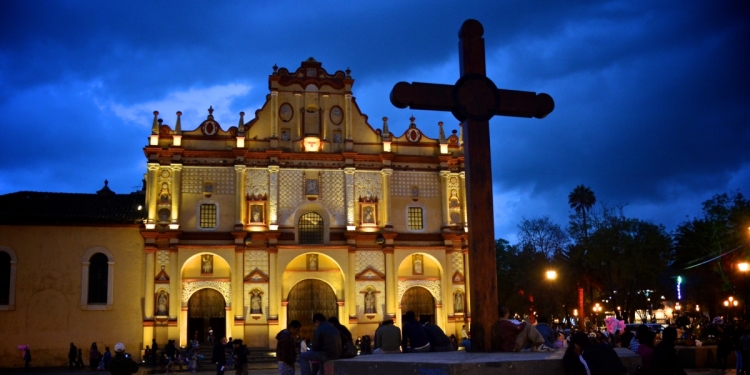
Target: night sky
651, 97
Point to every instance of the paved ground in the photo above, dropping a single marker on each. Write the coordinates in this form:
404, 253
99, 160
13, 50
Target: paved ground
253, 371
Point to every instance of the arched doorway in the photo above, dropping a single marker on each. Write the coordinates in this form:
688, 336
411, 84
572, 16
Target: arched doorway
307, 298
420, 301
206, 309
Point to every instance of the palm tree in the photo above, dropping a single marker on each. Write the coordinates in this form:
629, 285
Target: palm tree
582, 199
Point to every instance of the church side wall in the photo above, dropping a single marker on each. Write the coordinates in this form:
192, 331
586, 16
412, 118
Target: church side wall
48, 313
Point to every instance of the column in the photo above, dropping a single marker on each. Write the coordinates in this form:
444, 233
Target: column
176, 192
444, 197
239, 193
273, 285
148, 295
467, 283
274, 113
390, 284
386, 208
300, 113
324, 121
175, 286
273, 196
348, 114
182, 321
237, 284
462, 188
448, 282
351, 285
349, 196
152, 190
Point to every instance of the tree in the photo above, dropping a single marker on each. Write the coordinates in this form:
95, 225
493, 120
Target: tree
581, 199
543, 236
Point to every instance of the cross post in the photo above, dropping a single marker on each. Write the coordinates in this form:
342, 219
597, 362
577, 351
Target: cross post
474, 100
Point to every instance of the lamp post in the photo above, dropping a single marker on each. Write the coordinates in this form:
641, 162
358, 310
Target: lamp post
597, 309
728, 304
551, 276
744, 267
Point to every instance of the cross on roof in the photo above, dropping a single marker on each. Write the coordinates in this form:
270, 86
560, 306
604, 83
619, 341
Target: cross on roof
474, 99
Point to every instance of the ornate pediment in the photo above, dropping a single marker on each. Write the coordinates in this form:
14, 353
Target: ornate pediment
369, 273
162, 277
256, 276
458, 278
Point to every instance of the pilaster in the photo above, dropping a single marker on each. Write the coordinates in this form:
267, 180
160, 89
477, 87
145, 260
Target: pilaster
386, 208
349, 196
273, 196
239, 203
176, 195
148, 295
444, 197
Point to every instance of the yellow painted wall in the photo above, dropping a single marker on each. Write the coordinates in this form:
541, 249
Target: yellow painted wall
432, 213
48, 314
189, 212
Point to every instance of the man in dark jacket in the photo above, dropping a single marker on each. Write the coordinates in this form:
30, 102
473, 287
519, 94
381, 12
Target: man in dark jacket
218, 356
439, 342
240, 354
286, 348
122, 364
597, 359
414, 337
664, 359
326, 345
72, 353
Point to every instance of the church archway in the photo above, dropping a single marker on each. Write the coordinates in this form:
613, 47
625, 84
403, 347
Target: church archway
206, 310
420, 301
307, 298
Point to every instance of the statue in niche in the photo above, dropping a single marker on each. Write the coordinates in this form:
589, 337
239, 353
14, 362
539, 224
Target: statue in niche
256, 306
312, 262
368, 217
454, 203
207, 263
458, 302
370, 302
417, 263
257, 214
162, 307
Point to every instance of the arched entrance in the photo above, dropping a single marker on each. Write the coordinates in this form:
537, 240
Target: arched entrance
420, 301
307, 298
206, 309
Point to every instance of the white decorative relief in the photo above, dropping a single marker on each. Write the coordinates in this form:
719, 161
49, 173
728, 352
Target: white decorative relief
162, 256
365, 258
332, 195
453, 181
349, 177
246, 299
427, 182
256, 259
379, 286
256, 182
431, 285
368, 184
457, 262
190, 287
222, 178
291, 194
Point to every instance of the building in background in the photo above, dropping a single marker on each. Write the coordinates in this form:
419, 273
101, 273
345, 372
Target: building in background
305, 208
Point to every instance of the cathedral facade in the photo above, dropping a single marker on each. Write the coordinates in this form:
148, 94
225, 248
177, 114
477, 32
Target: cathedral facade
239, 229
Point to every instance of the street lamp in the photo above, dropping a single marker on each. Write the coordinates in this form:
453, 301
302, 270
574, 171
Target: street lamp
597, 309
551, 276
744, 267
729, 303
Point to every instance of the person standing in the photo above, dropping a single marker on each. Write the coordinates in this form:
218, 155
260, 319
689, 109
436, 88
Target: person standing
286, 351
79, 358
415, 338
664, 359
104, 363
154, 352
326, 345
94, 357
122, 364
218, 356
240, 354
72, 353
26, 357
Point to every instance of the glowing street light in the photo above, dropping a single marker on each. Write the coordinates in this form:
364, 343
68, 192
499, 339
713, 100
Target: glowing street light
551, 275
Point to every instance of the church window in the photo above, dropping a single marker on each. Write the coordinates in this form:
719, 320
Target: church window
98, 276
208, 216
4, 278
415, 218
98, 268
311, 228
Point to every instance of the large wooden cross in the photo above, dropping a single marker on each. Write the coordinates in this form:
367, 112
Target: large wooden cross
474, 100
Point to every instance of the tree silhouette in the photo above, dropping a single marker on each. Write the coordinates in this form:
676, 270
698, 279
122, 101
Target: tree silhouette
581, 199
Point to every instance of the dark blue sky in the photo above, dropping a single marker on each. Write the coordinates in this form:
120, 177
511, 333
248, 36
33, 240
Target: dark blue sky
652, 97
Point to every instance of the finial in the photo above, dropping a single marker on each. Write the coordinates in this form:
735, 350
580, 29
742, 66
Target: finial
412, 119
461, 135
178, 124
106, 182
241, 125
442, 133
386, 133
348, 72
211, 110
155, 125
275, 68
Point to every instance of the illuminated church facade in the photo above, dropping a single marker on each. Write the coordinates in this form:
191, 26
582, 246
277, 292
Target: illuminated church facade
304, 208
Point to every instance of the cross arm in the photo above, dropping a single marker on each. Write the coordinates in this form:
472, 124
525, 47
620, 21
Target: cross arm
437, 97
